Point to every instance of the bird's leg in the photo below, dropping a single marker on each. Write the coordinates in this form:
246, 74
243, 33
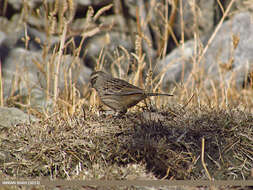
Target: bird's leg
121, 113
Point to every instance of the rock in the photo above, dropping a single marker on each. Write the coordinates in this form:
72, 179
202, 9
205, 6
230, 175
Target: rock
204, 22
12, 116
24, 65
13, 33
4, 50
108, 41
24, 74
12, 29
17, 5
235, 62
175, 63
4, 156
2, 37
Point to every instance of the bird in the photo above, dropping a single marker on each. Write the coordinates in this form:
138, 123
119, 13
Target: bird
118, 94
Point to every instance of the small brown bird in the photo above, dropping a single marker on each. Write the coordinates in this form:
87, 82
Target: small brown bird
118, 94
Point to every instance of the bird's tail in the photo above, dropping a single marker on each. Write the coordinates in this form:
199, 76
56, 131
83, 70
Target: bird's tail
158, 94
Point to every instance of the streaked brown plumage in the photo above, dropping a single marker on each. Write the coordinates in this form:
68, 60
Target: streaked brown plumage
118, 94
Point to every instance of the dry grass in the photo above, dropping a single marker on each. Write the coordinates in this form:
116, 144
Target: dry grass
168, 146
149, 142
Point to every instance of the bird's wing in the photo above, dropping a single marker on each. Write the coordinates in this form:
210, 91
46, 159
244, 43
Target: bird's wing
120, 88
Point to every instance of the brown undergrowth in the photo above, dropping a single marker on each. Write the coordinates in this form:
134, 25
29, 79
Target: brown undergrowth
168, 146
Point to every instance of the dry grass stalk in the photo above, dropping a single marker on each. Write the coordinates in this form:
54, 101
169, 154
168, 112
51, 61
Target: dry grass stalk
1, 86
57, 67
101, 11
181, 23
216, 29
203, 158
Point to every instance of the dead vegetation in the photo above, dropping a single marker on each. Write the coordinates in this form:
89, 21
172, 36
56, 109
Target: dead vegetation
168, 146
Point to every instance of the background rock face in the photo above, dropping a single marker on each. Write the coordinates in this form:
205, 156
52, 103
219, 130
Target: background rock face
228, 59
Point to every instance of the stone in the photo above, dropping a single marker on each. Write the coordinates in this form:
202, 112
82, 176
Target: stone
224, 61
24, 74
12, 116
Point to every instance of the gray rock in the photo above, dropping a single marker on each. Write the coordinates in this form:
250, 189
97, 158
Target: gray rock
2, 37
11, 28
13, 32
4, 156
108, 41
220, 54
4, 50
22, 75
175, 63
12, 116
204, 22
17, 4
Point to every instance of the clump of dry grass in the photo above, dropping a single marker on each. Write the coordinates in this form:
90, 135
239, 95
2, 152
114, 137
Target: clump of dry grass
168, 146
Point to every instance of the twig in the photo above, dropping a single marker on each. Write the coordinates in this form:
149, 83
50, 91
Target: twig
63, 37
101, 11
181, 23
1, 86
216, 30
220, 5
186, 104
202, 158
167, 174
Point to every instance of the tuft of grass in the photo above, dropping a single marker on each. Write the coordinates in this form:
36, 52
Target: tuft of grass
167, 145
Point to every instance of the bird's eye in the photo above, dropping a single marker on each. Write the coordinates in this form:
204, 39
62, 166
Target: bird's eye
93, 80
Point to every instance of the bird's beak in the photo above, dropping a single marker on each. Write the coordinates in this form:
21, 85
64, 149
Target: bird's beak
89, 85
